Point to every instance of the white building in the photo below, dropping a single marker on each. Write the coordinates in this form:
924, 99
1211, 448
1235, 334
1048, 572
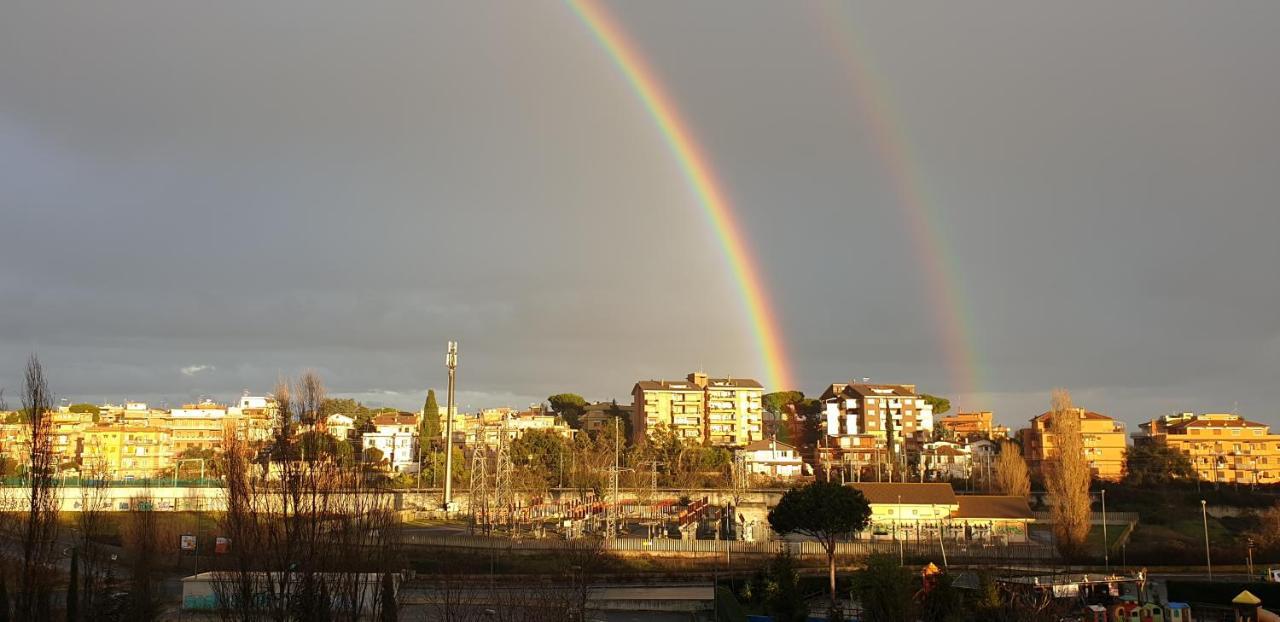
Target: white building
339, 426
945, 460
396, 437
771, 459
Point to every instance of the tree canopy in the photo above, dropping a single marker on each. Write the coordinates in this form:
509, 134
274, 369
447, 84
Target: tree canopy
825, 511
89, 409
776, 403
1156, 463
940, 404
570, 406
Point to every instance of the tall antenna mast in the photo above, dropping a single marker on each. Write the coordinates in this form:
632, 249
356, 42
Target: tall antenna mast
451, 362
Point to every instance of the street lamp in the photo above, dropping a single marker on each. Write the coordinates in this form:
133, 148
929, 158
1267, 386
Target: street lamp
1106, 544
1204, 514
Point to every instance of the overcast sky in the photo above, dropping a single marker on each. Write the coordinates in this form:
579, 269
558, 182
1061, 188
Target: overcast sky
198, 197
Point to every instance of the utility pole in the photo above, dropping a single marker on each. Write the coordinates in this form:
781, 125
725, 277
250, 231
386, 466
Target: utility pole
451, 362
613, 509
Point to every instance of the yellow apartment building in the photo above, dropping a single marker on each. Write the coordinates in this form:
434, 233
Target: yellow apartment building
725, 412
125, 452
1104, 443
1223, 447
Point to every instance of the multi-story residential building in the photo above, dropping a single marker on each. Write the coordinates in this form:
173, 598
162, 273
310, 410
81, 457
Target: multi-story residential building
720, 411
600, 415
125, 452
198, 431
395, 437
973, 425
1222, 447
869, 426
1103, 437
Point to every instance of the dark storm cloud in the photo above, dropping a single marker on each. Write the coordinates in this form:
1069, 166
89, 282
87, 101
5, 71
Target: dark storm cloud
197, 199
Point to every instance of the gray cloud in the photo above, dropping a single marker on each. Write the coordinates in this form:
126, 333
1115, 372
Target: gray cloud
261, 189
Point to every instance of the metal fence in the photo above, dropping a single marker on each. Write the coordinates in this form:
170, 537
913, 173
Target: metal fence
1113, 518
956, 550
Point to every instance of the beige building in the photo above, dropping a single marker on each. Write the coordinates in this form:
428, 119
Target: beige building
1222, 447
910, 511
1104, 443
973, 426
724, 412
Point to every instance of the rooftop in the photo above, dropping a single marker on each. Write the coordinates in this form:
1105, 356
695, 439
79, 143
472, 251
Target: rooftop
886, 493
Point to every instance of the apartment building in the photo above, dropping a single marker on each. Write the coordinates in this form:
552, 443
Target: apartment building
1222, 447
600, 415
973, 425
395, 437
725, 412
1104, 443
124, 452
871, 427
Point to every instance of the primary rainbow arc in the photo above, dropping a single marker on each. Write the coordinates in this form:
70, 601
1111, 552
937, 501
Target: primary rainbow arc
701, 178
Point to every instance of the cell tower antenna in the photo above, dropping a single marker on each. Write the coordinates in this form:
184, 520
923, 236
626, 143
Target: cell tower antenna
451, 362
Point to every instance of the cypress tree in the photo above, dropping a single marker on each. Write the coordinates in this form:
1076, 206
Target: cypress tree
430, 418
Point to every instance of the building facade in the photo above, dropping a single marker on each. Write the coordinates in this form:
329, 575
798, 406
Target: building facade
1222, 447
724, 412
973, 426
872, 427
769, 459
1103, 438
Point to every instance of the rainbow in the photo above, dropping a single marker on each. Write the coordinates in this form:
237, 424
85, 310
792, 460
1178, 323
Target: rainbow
702, 180
950, 312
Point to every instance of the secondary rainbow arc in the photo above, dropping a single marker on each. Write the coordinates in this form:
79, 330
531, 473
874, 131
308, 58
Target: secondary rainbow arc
700, 175
924, 222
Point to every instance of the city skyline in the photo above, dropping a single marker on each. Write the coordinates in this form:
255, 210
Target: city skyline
346, 192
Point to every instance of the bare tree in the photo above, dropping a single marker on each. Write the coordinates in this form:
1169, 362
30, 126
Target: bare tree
94, 473
144, 545
311, 536
1068, 478
1011, 476
40, 528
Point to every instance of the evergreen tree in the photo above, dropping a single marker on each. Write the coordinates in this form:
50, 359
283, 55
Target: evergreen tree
430, 418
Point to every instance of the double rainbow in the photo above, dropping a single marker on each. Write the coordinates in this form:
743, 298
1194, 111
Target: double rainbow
702, 180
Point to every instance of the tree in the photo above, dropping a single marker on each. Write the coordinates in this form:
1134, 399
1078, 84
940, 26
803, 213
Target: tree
1068, 478
40, 527
884, 588
73, 586
89, 409
4, 598
570, 406
305, 528
430, 420
388, 599
776, 403
783, 597
540, 452
825, 511
1011, 477
940, 404
1155, 464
